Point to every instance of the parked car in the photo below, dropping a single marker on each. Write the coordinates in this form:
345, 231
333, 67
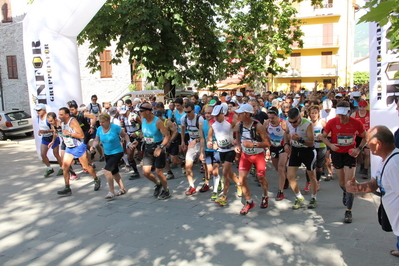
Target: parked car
15, 122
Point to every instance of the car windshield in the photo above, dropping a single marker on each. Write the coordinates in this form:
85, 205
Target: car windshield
18, 115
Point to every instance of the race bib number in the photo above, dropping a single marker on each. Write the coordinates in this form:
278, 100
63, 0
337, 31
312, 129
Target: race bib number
317, 132
194, 134
249, 151
149, 140
345, 140
224, 143
275, 142
69, 142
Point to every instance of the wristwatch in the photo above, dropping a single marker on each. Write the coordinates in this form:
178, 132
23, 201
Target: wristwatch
161, 146
255, 144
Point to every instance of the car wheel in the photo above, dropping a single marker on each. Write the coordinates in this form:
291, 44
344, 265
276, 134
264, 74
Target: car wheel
29, 134
2, 135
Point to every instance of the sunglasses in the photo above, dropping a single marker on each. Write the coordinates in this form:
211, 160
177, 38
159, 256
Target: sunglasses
391, 99
293, 122
208, 113
39, 110
272, 112
187, 112
143, 109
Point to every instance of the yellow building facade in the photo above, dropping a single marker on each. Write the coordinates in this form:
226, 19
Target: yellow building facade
326, 58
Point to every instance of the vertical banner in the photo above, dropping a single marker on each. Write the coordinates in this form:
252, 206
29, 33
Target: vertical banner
50, 29
384, 89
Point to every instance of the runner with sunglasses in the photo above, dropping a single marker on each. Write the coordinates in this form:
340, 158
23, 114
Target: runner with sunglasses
301, 150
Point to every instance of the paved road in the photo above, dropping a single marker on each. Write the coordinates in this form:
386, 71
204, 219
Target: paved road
40, 228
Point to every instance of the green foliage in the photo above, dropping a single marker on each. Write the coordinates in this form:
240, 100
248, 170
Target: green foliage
132, 87
361, 78
178, 41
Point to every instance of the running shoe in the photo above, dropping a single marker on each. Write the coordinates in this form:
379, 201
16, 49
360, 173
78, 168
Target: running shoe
110, 196
264, 203
298, 203
344, 198
214, 196
205, 188
247, 207
102, 159
348, 217
73, 177
97, 184
312, 204
48, 172
157, 190
65, 192
329, 177
60, 172
134, 176
239, 191
252, 171
222, 201
280, 196
164, 195
286, 183
202, 170
191, 191
307, 187
170, 175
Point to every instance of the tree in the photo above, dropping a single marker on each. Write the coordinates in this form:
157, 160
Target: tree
361, 78
174, 40
178, 41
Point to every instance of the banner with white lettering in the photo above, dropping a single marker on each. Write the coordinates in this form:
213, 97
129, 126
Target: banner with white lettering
50, 29
384, 89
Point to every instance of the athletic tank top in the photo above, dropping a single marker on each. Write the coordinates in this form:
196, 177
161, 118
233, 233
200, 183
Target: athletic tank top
178, 119
224, 135
69, 141
317, 129
365, 119
192, 129
151, 132
205, 130
44, 126
276, 134
246, 135
301, 131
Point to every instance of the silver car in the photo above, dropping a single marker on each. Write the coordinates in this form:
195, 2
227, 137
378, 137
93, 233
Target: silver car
15, 122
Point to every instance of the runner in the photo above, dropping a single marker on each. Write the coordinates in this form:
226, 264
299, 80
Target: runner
252, 140
73, 137
191, 122
343, 152
109, 135
276, 127
156, 136
210, 155
363, 115
300, 131
95, 109
223, 132
47, 137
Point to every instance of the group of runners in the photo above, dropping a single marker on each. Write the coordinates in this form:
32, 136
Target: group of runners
293, 130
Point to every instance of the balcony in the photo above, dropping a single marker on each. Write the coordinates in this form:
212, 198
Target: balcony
317, 72
326, 9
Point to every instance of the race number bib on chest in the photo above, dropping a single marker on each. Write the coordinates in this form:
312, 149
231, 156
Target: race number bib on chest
149, 139
345, 140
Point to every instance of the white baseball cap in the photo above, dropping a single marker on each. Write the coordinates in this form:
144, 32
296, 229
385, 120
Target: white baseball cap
40, 106
356, 94
217, 110
239, 94
123, 109
338, 95
245, 108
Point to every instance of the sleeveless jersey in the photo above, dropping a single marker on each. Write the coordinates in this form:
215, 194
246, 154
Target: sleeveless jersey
365, 119
150, 131
246, 135
224, 135
301, 131
178, 119
193, 130
276, 134
69, 141
43, 125
317, 129
205, 130
131, 125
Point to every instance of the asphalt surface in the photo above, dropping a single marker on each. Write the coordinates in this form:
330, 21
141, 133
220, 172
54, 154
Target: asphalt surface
40, 228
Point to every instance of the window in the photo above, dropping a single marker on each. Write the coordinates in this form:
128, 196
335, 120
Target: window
105, 64
328, 34
12, 67
296, 61
326, 60
5, 11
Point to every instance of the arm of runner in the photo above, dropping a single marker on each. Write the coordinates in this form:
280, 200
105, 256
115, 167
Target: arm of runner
96, 141
287, 141
173, 128
265, 137
355, 152
202, 143
209, 142
76, 127
310, 135
93, 120
161, 127
237, 148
